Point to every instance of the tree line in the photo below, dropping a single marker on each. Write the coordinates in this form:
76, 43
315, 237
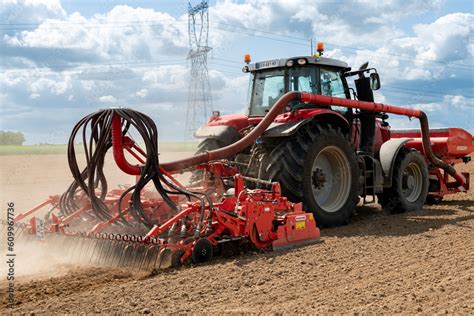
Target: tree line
11, 138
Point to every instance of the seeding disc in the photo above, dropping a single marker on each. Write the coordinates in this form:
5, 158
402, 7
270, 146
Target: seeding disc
202, 251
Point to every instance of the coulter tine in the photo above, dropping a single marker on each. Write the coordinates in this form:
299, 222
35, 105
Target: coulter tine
149, 258
102, 252
157, 255
136, 255
155, 250
81, 249
115, 251
139, 256
95, 250
19, 233
146, 257
110, 252
91, 244
126, 255
117, 254
76, 240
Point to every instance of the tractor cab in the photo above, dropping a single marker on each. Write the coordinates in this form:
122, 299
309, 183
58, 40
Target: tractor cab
269, 80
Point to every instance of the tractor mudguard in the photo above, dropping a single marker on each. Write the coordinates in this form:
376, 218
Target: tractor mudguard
223, 133
388, 153
284, 129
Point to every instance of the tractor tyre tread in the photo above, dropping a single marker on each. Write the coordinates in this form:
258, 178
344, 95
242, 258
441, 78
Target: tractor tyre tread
392, 199
287, 166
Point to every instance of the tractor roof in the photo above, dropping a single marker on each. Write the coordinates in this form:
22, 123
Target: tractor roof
314, 60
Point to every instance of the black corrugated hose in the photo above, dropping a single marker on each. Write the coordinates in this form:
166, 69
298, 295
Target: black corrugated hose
95, 130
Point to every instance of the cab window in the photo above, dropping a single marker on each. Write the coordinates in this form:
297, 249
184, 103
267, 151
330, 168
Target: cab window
332, 85
303, 79
268, 88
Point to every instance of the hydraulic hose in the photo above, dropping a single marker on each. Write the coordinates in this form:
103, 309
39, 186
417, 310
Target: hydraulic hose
238, 146
380, 107
105, 129
119, 156
306, 97
425, 137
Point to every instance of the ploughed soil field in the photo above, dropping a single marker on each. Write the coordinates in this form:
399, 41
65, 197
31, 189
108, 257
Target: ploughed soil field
419, 262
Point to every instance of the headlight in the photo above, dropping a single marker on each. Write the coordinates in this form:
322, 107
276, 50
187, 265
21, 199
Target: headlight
302, 61
289, 63
245, 69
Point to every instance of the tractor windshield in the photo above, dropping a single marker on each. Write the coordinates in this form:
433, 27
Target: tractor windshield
267, 87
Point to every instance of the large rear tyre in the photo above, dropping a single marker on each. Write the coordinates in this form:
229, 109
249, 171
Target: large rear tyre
318, 167
208, 144
409, 184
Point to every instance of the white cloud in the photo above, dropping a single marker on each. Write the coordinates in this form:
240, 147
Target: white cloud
33, 11
142, 93
107, 99
75, 38
172, 77
452, 111
437, 50
446, 39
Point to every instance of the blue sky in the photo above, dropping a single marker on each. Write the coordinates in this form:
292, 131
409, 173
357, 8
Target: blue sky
63, 59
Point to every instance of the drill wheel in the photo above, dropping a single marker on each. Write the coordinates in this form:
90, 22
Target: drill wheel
203, 251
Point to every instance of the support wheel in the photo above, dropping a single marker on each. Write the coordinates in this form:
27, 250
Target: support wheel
409, 183
434, 188
434, 200
318, 167
203, 251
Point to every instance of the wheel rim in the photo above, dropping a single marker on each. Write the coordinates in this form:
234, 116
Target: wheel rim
412, 182
331, 179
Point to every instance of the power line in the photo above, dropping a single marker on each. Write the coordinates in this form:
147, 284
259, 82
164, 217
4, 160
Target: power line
78, 68
420, 91
148, 62
334, 44
401, 58
408, 59
458, 66
62, 25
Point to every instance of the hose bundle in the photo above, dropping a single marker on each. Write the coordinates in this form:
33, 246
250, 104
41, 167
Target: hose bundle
96, 132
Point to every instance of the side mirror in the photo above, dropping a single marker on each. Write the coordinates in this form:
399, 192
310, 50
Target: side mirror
374, 81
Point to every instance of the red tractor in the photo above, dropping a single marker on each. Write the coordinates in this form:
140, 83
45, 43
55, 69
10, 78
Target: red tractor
328, 156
